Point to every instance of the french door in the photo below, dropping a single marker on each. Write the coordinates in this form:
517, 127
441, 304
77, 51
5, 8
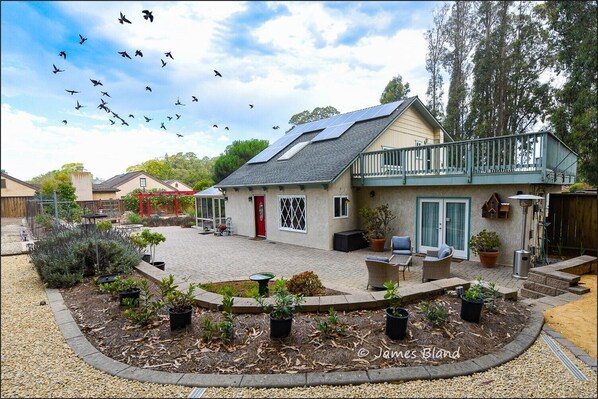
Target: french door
443, 221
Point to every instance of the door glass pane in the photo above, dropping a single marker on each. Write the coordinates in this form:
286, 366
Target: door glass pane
455, 225
429, 226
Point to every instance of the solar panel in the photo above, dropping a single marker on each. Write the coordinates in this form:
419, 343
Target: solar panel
333, 132
275, 148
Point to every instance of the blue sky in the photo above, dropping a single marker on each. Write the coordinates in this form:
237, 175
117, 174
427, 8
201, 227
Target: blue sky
281, 57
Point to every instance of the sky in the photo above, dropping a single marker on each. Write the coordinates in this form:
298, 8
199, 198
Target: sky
281, 57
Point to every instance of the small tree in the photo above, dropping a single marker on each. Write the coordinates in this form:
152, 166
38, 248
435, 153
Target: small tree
152, 239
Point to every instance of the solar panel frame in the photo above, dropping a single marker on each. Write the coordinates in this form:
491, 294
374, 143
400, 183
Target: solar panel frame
333, 132
275, 148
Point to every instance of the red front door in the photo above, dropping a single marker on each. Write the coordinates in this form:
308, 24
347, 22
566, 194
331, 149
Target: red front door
260, 215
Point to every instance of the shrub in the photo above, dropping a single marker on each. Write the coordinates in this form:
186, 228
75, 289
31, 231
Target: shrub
331, 327
306, 284
67, 254
434, 312
147, 307
225, 329
130, 217
104, 225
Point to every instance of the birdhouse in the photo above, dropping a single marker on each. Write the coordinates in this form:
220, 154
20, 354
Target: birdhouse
493, 208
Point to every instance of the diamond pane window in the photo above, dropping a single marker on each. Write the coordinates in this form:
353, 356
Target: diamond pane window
293, 213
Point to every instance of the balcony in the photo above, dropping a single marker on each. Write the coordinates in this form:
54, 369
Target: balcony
534, 158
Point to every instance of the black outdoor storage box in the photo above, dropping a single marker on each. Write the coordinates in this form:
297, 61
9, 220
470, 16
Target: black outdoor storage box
349, 240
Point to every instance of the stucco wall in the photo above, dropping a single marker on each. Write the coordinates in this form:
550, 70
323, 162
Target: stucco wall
82, 181
16, 189
403, 201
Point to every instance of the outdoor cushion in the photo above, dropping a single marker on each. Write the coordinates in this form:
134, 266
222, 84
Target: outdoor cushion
401, 242
378, 258
444, 251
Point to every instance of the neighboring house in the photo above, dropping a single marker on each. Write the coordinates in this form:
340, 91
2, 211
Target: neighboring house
82, 181
311, 183
119, 186
178, 185
13, 187
15, 194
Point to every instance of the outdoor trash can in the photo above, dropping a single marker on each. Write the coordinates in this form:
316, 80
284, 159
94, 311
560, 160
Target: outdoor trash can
521, 263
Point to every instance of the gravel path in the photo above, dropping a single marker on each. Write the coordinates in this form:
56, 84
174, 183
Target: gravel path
36, 362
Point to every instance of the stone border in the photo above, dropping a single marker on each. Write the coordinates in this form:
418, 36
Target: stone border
578, 353
92, 356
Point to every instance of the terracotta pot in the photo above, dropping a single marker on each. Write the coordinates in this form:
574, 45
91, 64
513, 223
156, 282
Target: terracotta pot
378, 244
488, 259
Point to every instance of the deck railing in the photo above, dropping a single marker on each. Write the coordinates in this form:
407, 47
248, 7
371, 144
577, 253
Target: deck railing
540, 154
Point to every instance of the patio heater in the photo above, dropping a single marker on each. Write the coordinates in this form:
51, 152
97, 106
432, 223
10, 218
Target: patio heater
521, 256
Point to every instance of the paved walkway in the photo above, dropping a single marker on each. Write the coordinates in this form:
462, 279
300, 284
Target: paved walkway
208, 258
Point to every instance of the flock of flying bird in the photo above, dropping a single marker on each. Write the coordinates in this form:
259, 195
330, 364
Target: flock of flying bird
147, 15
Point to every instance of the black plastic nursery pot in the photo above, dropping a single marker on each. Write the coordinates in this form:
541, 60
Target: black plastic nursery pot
280, 328
132, 294
396, 326
146, 258
159, 265
470, 310
107, 278
180, 320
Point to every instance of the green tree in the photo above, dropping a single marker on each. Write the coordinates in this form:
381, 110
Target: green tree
436, 52
68, 209
158, 168
574, 41
395, 90
315, 115
235, 155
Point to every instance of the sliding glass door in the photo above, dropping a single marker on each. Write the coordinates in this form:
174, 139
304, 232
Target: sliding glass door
443, 221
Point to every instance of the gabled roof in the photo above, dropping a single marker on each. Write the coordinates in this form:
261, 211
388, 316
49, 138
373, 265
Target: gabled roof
112, 184
24, 183
209, 192
321, 162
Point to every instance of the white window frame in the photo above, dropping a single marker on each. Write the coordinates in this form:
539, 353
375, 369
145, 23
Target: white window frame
391, 165
343, 202
419, 153
282, 198
142, 182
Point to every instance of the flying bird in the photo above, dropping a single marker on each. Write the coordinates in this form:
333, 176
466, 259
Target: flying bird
178, 102
79, 105
147, 14
163, 63
111, 121
64, 121
169, 118
105, 93
62, 54
123, 19
124, 54
216, 126
217, 73
103, 102
169, 55
250, 106
138, 53
124, 123
71, 91
131, 116
275, 127
82, 39
162, 126
116, 115
194, 99
226, 128
179, 135
96, 82
177, 116
148, 88
56, 70
103, 105
147, 119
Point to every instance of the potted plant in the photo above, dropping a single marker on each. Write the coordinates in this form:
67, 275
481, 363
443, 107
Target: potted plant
141, 244
396, 316
377, 225
472, 301
281, 308
123, 287
179, 303
485, 244
153, 239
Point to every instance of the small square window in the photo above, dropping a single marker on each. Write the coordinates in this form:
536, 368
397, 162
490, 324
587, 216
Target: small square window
341, 206
3, 183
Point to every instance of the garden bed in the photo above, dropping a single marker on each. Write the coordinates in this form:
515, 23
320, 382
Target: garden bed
252, 351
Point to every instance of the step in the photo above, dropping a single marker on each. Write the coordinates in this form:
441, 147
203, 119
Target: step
525, 293
545, 290
578, 289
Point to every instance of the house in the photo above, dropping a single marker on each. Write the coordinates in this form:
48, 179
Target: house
310, 184
15, 194
120, 186
210, 209
178, 185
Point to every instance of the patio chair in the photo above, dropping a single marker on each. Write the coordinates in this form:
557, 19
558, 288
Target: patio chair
437, 263
401, 245
380, 270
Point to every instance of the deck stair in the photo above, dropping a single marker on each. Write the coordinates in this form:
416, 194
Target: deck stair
558, 278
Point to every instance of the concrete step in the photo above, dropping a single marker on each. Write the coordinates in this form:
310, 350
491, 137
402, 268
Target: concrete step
525, 293
578, 289
545, 290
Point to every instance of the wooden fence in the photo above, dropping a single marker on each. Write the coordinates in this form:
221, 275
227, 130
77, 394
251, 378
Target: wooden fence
14, 207
573, 224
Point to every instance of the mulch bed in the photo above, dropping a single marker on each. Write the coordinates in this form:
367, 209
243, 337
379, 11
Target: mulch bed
252, 351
